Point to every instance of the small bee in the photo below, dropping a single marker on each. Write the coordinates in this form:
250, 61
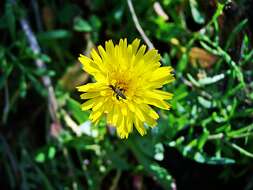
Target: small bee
118, 92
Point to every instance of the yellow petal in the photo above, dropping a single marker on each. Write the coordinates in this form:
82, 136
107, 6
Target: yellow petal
124, 109
98, 110
157, 94
96, 57
120, 126
110, 113
156, 102
84, 60
149, 111
161, 72
116, 114
98, 105
135, 45
92, 87
129, 122
109, 47
95, 115
90, 95
133, 108
139, 126
88, 104
146, 115
102, 53
152, 56
140, 53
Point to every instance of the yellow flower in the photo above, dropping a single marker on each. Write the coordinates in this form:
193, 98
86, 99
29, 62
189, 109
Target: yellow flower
128, 81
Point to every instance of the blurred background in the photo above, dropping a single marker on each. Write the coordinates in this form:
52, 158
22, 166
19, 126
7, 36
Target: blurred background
203, 142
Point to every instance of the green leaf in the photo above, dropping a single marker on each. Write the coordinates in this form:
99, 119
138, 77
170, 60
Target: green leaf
51, 152
75, 108
7, 68
205, 103
203, 138
117, 161
193, 80
118, 13
182, 64
251, 95
37, 85
68, 11
189, 148
177, 142
241, 130
81, 25
235, 32
22, 87
159, 152
217, 13
201, 158
217, 50
40, 157
43, 72
166, 59
165, 31
54, 35
211, 80
10, 19
81, 143
196, 14
240, 149
95, 22
160, 173
45, 58
96, 25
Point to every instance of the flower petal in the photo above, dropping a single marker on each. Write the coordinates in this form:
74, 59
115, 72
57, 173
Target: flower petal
139, 126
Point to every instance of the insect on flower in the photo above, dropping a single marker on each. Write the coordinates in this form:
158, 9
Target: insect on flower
128, 82
118, 92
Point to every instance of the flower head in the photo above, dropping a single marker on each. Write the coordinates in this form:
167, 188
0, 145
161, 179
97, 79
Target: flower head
128, 82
